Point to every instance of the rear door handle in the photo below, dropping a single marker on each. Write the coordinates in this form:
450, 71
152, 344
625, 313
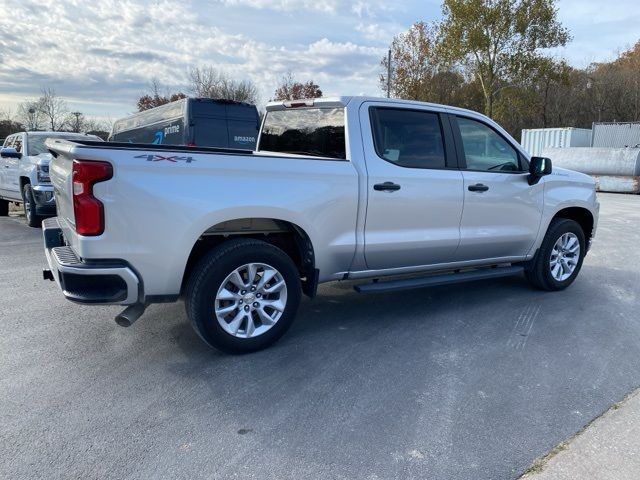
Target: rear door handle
478, 187
386, 187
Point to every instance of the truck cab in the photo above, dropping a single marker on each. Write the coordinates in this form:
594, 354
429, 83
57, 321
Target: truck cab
24, 173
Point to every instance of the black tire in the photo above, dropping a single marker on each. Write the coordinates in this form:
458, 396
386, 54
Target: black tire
207, 278
29, 205
4, 208
539, 271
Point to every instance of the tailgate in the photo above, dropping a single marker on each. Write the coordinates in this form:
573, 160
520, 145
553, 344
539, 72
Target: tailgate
60, 171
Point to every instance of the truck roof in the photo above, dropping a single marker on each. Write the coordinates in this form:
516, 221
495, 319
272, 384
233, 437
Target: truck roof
343, 101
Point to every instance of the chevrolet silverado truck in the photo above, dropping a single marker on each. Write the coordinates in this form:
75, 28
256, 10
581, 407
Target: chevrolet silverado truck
24, 173
388, 193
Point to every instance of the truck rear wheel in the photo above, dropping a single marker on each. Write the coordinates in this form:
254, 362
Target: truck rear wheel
4, 208
29, 204
560, 257
243, 295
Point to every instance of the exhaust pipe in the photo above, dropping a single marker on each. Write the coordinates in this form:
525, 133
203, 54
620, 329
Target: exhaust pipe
130, 314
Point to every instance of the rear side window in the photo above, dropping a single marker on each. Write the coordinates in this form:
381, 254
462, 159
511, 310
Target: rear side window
309, 131
408, 138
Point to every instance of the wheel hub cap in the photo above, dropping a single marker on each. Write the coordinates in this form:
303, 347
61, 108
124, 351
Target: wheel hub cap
251, 300
564, 256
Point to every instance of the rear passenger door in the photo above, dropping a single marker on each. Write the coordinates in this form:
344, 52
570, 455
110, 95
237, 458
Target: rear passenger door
414, 187
502, 212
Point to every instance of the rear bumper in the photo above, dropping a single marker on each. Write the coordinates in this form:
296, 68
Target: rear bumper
111, 282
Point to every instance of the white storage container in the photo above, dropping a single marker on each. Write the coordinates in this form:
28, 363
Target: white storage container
536, 139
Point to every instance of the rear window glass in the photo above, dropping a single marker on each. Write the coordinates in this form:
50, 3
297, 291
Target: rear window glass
37, 146
310, 131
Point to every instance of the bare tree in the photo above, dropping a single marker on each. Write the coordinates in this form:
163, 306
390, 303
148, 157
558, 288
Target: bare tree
30, 115
208, 82
54, 108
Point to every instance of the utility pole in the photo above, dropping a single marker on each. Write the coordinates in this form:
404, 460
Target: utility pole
32, 119
76, 126
389, 74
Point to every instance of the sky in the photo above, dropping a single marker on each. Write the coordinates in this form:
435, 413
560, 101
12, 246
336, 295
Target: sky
102, 55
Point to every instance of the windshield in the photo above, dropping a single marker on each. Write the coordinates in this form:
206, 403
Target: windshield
310, 131
37, 146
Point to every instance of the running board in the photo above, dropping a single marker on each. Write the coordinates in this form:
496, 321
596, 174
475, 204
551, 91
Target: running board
442, 279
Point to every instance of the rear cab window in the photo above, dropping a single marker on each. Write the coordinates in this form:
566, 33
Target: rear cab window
318, 132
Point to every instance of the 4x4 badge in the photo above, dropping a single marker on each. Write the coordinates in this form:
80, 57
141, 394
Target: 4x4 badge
160, 158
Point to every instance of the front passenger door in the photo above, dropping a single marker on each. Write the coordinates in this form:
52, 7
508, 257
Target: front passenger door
12, 170
502, 212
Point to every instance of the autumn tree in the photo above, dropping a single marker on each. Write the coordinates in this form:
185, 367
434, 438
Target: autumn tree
209, 82
290, 89
414, 63
155, 97
498, 40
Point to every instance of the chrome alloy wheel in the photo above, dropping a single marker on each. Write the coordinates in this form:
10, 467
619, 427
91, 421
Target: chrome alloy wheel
565, 256
251, 300
28, 208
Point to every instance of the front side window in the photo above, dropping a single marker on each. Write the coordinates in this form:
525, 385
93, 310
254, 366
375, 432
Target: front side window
307, 131
8, 142
17, 143
485, 149
408, 138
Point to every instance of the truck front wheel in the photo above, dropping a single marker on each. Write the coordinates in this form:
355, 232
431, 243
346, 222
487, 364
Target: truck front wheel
560, 257
4, 208
29, 204
243, 295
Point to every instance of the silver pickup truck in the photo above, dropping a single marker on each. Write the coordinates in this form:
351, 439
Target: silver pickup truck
24, 173
390, 193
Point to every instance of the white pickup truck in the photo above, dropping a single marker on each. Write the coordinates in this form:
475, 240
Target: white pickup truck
24, 173
412, 194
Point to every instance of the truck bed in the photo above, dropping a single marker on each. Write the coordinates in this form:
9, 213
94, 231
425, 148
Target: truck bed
157, 148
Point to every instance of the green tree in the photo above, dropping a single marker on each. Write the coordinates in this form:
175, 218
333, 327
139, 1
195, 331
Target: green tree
498, 41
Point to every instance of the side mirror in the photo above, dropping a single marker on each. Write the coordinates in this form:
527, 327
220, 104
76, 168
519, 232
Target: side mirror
10, 152
538, 168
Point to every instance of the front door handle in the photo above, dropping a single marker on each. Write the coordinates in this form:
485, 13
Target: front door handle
386, 187
478, 187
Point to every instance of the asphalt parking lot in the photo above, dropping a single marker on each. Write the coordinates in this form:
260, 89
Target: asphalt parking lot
470, 381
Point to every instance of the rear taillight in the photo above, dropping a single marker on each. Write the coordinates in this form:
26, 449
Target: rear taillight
88, 210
